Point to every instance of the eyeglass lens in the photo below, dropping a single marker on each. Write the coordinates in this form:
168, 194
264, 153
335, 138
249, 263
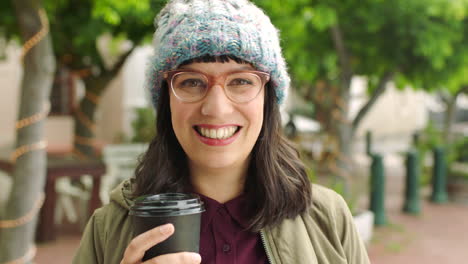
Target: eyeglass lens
239, 87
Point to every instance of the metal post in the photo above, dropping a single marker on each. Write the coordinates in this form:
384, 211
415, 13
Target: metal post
377, 196
369, 143
439, 177
413, 172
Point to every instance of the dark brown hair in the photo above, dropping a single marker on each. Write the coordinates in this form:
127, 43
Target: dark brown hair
277, 182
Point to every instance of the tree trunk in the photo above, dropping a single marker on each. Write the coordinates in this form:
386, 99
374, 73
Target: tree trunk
85, 128
381, 88
84, 145
344, 129
449, 119
342, 126
332, 110
30, 169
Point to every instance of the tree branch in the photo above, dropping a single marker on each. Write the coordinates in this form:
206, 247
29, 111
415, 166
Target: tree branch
107, 76
450, 102
463, 90
444, 96
121, 62
388, 76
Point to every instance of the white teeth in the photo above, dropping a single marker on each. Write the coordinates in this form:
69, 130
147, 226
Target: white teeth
221, 133
212, 133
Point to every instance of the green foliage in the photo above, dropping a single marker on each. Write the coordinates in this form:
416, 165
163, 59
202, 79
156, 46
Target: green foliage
424, 41
460, 150
458, 168
322, 17
114, 12
144, 125
340, 187
429, 138
75, 26
7, 20
3, 43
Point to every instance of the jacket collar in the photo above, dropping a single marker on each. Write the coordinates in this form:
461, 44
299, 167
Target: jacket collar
122, 195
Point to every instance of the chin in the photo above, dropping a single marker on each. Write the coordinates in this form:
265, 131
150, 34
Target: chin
216, 161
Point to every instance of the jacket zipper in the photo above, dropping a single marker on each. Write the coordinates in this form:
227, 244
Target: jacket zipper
267, 248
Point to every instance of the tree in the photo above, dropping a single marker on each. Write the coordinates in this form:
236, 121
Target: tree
76, 27
39, 65
326, 43
452, 81
78, 24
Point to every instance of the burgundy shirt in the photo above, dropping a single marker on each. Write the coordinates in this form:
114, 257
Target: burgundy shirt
223, 235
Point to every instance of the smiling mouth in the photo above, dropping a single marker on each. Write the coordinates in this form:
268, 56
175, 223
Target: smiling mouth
219, 133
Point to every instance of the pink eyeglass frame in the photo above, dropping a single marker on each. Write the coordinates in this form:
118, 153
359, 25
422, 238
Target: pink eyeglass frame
169, 76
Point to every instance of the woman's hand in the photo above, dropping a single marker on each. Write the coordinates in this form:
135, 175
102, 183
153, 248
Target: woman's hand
137, 247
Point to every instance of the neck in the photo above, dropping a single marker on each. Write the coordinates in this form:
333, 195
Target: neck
222, 184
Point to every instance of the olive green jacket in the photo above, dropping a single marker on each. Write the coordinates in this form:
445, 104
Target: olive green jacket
324, 235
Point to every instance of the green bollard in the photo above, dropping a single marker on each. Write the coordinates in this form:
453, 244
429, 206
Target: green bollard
413, 172
439, 177
369, 143
377, 196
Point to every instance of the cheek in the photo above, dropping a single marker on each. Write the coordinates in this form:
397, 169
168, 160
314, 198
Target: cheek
178, 116
256, 114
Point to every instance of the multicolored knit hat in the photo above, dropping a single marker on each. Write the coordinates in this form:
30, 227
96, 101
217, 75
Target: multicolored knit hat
188, 29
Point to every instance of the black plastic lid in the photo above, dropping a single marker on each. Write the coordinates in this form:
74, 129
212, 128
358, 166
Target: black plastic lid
167, 204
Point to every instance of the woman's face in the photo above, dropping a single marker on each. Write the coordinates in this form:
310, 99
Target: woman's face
205, 128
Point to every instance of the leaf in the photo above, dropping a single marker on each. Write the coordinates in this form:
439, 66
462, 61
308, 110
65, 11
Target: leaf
323, 17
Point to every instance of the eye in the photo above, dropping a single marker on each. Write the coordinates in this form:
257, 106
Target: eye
239, 81
192, 83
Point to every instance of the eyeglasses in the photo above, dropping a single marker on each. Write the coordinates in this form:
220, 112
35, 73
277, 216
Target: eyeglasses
240, 87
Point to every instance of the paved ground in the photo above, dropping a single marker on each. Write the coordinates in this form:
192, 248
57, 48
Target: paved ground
59, 252
438, 235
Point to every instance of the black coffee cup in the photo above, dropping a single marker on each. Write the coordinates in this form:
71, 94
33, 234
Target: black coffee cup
181, 210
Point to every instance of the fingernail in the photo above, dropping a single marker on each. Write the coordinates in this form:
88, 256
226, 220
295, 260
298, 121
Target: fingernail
196, 257
166, 229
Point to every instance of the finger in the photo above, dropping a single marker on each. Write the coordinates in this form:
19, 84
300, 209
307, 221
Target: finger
137, 247
176, 258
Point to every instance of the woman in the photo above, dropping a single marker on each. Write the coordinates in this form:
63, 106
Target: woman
217, 80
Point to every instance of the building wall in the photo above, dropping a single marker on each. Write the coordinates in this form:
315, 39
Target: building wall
393, 119
395, 112
110, 112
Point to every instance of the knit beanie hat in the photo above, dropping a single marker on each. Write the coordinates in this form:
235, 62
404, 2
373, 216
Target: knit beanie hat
188, 29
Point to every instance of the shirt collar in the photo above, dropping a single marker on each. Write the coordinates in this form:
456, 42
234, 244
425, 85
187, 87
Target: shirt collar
236, 208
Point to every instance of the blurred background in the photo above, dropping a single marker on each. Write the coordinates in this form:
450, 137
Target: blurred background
378, 108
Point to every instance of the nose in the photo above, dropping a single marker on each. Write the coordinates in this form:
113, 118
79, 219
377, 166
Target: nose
216, 103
